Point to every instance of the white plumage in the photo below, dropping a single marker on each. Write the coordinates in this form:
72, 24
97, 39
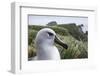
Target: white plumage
45, 48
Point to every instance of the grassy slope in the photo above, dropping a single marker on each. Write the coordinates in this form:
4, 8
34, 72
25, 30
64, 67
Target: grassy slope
70, 34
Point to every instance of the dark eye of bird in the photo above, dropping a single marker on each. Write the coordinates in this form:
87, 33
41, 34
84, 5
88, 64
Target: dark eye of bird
50, 34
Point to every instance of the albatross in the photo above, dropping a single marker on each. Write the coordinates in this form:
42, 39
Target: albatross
45, 48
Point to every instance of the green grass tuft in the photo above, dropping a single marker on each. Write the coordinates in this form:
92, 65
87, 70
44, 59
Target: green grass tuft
69, 33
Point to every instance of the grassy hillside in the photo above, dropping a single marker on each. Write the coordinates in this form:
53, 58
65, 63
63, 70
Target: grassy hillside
77, 41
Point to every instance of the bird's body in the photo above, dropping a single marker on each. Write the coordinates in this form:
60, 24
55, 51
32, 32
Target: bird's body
45, 48
48, 53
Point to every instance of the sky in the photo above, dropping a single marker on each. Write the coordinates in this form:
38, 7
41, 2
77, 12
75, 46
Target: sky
43, 20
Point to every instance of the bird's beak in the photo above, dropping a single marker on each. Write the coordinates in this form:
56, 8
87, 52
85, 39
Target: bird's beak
58, 41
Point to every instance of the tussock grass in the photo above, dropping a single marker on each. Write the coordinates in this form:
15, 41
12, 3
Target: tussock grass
77, 41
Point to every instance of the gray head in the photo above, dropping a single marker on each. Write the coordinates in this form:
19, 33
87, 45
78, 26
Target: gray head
47, 36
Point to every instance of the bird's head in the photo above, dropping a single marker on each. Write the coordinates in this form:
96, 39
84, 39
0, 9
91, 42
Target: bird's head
47, 36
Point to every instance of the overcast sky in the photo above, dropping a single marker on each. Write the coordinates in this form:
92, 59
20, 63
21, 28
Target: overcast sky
43, 20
